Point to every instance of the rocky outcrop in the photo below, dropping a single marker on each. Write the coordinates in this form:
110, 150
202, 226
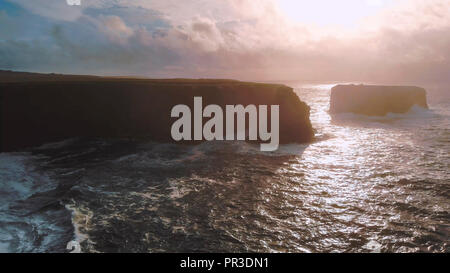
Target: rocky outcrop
37, 108
375, 100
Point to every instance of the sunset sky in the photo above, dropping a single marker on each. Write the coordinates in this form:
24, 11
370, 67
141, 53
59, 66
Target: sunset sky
321, 40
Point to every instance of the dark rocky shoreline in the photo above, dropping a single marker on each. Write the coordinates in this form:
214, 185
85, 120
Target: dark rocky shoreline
42, 108
375, 100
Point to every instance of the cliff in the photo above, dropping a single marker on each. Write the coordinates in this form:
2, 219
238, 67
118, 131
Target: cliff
38, 108
375, 100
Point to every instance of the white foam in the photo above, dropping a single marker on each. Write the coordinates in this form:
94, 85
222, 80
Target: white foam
283, 149
416, 112
56, 145
18, 181
15, 181
373, 247
79, 219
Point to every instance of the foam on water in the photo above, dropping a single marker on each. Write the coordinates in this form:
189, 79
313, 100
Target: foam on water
21, 228
367, 185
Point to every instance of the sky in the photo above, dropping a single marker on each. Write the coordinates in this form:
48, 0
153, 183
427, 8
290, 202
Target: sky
403, 41
345, 13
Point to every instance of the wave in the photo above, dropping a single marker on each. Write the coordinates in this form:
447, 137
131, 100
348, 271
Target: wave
283, 149
416, 114
57, 144
29, 220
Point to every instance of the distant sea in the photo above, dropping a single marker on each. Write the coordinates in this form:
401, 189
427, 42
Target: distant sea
367, 184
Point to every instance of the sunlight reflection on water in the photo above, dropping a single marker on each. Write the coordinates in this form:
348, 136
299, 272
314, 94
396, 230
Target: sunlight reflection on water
365, 185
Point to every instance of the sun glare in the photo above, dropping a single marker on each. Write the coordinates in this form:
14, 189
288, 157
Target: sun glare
344, 13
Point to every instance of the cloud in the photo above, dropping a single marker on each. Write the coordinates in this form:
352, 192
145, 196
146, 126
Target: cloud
245, 39
58, 10
115, 29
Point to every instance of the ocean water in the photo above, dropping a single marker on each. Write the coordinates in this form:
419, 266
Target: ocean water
368, 184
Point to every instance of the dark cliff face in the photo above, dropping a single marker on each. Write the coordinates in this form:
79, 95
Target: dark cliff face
37, 112
374, 100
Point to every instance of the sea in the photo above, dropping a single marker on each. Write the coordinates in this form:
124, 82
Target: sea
366, 184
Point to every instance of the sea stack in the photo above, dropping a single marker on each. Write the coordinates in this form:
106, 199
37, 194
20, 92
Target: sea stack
37, 108
375, 100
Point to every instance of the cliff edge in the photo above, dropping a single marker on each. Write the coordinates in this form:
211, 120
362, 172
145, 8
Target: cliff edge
42, 108
373, 100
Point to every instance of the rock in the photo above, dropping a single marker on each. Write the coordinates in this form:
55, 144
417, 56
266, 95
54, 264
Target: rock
38, 108
372, 100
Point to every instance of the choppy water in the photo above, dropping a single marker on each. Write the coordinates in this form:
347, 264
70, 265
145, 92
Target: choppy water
367, 184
